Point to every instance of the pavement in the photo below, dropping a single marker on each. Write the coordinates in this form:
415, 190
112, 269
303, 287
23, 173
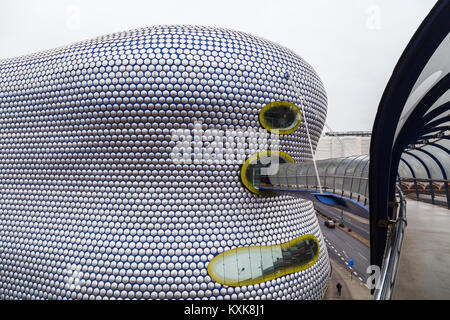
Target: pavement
352, 288
424, 267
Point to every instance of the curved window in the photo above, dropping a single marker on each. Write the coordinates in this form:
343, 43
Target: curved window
254, 264
283, 116
262, 164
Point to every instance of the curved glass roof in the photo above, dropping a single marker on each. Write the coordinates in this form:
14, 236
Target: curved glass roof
347, 177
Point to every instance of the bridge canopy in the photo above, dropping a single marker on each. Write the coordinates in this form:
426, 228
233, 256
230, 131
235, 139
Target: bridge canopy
411, 130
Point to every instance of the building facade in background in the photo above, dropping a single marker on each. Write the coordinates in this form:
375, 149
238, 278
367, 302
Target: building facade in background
343, 144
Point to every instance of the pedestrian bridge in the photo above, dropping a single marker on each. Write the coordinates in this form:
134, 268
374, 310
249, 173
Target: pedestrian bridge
343, 183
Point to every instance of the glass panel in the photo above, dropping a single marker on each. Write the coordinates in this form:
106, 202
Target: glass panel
433, 167
404, 171
321, 168
299, 253
417, 167
278, 263
347, 183
267, 261
312, 180
290, 172
355, 184
262, 170
442, 156
302, 181
244, 265
359, 171
339, 174
264, 161
358, 174
351, 168
281, 115
364, 173
364, 189
329, 172
309, 168
439, 102
255, 264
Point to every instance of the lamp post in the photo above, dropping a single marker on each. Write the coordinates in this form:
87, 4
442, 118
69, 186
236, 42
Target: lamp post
342, 218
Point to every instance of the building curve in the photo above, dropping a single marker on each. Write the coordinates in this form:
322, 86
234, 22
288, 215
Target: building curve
103, 193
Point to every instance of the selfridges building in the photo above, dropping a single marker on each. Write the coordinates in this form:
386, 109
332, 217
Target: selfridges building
103, 193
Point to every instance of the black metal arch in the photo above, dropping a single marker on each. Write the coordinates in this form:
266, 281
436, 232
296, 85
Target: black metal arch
439, 146
409, 166
409, 133
413, 174
435, 137
385, 149
426, 169
421, 162
435, 124
436, 112
444, 174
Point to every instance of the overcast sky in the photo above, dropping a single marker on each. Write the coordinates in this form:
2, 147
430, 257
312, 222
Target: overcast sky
352, 44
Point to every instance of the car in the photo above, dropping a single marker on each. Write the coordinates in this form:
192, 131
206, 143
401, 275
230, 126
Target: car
330, 224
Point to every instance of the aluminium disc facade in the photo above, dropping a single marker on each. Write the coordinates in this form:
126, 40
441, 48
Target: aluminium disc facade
92, 203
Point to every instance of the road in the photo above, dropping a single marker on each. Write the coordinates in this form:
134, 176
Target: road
357, 227
342, 247
359, 213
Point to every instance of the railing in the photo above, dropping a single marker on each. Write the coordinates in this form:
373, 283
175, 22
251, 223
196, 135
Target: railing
394, 243
434, 191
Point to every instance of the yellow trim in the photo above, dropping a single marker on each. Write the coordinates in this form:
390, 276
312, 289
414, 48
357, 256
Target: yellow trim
257, 155
280, 273
275, 104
